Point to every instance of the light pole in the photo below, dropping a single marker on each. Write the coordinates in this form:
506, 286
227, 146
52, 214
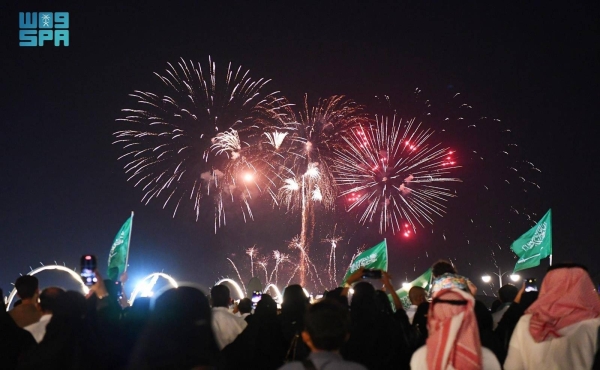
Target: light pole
488, 278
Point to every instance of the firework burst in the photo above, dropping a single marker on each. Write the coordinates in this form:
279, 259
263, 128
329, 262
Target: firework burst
331, 265
391, 172
177, 140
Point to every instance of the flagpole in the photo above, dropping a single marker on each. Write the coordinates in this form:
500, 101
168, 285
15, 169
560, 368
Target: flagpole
386, 254
129, 243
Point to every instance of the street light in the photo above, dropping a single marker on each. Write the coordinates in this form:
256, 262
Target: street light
406, 286
488, 278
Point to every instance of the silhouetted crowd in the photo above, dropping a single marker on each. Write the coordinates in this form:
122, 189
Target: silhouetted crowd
354, 327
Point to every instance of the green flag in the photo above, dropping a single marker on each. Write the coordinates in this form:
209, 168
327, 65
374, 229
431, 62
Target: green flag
424, 281
117, 258
535, 244
373, 258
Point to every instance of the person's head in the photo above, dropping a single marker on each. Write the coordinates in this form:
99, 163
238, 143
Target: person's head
294, 300
220, 296
178, 334
70, 304
245, 305
567, 296
417, 295
48, 298
336, 295
383, 302
27, 287
508, 293
363, 290
185, 305
453, 311
326, 326
442, 267
266, 307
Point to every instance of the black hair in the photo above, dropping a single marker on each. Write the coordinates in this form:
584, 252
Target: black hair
508, 293
442, 267
266, 306
336, 295
220, 295
327, 323
48, 298
26, 286
245, 305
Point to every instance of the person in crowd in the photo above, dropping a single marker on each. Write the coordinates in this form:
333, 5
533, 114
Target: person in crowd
135, 318
560, 329
69, 342
385, 347
261, 345
244, 309
487, 336
416, 295
15, 342
336, 295
46, 307
179, 334
511, 317
225, 324
506, 295
27, 312
326, 330
453, 341
293, 308
446, 276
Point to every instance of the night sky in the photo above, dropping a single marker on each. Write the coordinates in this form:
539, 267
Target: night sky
64, 193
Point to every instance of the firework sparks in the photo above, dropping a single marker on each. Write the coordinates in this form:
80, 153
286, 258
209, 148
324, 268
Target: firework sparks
391, 171
312, 136
178, 139
331, 265
252, 251
238, 273
296, 243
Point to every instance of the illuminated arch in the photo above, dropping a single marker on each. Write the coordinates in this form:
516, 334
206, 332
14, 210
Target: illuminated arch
278, 296
235, 285
74, 275
146, 285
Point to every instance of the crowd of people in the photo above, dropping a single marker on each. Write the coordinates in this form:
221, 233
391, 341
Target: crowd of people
353, 327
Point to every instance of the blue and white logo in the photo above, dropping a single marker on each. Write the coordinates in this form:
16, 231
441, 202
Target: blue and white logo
35, 28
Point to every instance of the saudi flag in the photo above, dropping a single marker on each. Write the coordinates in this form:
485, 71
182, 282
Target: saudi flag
424, 281
535, 244
373, 258
119, 252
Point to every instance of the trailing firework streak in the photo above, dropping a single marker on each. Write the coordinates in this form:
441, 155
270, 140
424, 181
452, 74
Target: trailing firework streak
290, 156
392, 173
169, 144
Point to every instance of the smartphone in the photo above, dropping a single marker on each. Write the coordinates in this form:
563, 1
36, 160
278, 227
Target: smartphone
531, 285
88, 266
256, 296
371, 274
119, 290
